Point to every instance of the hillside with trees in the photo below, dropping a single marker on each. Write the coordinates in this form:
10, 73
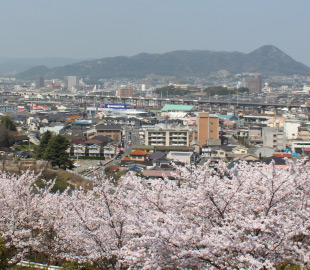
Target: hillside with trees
266, 60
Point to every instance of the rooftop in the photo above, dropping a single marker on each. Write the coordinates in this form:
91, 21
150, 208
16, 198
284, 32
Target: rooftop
184, 108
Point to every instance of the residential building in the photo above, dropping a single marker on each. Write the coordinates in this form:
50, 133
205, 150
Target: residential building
256, 134
6, 108
125, 92
114, 132
273, 138
291, 128
178, 136
208, 128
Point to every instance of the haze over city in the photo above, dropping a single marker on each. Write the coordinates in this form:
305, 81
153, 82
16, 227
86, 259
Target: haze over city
100, 28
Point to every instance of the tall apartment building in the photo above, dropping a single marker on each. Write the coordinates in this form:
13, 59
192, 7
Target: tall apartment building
254, 85
124, 92
39, 82
167, 137
208, 128
72, 83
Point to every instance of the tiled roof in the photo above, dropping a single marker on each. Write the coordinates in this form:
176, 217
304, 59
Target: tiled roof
138, 153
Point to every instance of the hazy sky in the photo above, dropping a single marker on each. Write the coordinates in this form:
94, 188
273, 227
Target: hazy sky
100, 28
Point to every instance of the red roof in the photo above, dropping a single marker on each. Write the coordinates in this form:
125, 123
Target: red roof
282, 155
78, 141
114, 167
138, 153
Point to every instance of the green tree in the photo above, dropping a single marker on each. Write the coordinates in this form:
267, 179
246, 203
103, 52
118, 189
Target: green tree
6, 140
8, 123
43, 144
56, 152
4, 256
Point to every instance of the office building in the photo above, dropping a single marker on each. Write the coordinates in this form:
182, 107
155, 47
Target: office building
39, 82
72, 83
254, 85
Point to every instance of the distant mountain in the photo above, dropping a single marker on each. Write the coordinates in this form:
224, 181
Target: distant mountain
267, 60
12, 66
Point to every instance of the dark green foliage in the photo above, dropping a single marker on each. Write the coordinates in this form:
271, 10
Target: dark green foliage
289, 265
6, 139
4, 256
221, 90
170, 90
8, 123
55, 152
76, 265
43, 144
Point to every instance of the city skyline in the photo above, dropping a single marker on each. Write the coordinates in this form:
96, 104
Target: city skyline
98, 29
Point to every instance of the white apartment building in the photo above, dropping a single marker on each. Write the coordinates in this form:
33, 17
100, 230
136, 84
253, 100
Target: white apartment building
291, 128
167, 137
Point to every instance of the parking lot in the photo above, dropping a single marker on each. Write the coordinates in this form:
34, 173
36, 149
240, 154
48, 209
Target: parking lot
85, 164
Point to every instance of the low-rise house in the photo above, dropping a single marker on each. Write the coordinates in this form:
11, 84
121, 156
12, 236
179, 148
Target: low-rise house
155, 174
77, 149
183, 157
94, 150
218, 153
256, 134
114, 132
264, 151
300, 147
246, 157
57, 130
138, 155
304, 133
110, 151
239, 150
277, 161
148, 148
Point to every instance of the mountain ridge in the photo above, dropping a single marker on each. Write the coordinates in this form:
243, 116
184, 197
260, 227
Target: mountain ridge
266, 60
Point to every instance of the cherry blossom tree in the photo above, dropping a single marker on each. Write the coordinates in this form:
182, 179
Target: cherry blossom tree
27, 216
248, 217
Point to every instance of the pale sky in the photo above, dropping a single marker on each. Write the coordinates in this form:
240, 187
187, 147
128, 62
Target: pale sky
102, 28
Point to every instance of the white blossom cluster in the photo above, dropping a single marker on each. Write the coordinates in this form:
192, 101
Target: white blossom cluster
249, 217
